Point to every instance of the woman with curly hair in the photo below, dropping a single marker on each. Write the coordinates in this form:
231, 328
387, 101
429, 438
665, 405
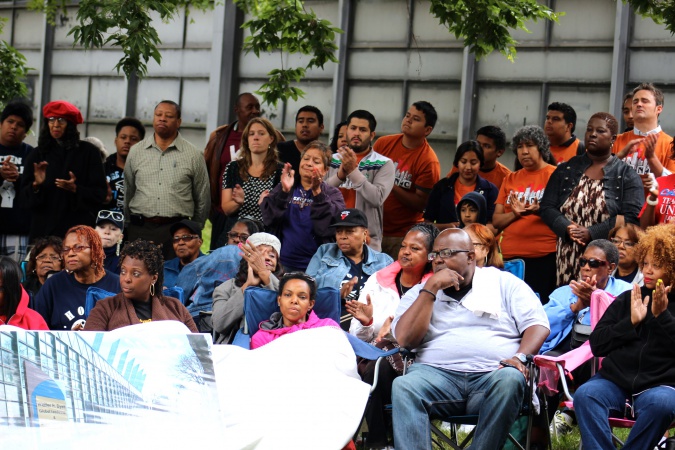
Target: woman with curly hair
524, 233
249, 179
141, 299
259, 266
65, 182
589, 195
62, 298
44, 259
635, 337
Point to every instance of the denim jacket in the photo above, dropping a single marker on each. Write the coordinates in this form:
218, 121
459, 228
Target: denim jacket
329, 265
199, 278
624, 195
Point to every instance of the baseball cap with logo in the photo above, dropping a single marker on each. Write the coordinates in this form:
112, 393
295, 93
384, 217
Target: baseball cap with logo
350, 218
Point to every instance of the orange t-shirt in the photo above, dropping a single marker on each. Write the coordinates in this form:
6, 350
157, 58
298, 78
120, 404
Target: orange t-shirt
563, 154
495, 176
416, 168
529, 236
637, 160
350, 194
461, 190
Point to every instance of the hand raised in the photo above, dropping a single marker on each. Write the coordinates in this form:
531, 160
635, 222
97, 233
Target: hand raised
287, 178
348, 287
363, 312
238, 194
444, 279
660, 301
348, 160
8, 170
40, 172
67, 185
638, 306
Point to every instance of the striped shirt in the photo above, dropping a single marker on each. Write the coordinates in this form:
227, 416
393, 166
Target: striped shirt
170, 183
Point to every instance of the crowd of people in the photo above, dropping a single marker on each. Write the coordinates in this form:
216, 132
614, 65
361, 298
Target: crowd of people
417, 259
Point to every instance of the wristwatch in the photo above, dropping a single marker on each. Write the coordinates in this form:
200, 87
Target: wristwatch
522, 357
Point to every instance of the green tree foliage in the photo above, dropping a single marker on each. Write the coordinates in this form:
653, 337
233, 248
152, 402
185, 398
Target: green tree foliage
485, 25
13, 71
125, 24
285, 26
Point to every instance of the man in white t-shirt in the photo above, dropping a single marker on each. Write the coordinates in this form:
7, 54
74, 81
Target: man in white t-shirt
471, 329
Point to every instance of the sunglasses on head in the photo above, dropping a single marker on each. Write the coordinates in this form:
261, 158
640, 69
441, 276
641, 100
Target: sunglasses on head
107, 215
592, 262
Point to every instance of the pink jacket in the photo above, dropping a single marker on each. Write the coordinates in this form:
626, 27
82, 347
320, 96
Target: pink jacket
262, 337
24, 317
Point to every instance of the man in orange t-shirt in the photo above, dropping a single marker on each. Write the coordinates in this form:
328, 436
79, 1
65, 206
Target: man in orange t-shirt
417, 170
561, 120
493, 142
629, 146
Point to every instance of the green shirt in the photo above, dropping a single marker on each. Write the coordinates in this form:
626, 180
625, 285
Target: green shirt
168, 183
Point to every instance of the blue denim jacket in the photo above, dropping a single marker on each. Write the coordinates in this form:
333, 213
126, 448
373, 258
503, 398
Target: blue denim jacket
624, 195
199, 278
329, 265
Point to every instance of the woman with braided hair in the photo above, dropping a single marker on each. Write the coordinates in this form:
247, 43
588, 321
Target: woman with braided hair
62, 298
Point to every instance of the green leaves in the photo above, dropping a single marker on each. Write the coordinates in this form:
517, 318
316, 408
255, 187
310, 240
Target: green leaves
125, 24
485, 25
658, 11
285, 26
13, 71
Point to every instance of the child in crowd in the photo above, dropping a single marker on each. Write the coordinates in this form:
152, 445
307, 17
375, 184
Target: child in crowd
110, 226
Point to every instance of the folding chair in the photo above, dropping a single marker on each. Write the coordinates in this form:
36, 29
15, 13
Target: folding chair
439, 438
516, 267
556, 369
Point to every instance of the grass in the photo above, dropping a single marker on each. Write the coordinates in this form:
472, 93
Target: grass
567, 442
206, 237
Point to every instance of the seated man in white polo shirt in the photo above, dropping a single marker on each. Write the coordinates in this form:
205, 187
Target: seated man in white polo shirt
471, 328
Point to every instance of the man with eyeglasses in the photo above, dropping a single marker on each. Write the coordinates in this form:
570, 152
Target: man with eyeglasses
471, 328
187, 239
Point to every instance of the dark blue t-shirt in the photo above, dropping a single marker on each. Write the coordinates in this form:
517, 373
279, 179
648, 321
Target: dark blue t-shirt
14, 217
62, 298
298, 240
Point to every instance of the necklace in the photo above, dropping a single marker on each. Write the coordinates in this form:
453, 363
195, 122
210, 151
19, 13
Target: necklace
401, 289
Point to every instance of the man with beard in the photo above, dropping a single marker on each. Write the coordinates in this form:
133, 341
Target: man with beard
128, 132
165, 181
364, 176
308, 128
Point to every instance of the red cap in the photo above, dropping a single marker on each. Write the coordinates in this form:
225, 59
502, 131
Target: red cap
61, 108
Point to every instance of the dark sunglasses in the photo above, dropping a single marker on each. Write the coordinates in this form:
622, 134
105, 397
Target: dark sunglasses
592, 263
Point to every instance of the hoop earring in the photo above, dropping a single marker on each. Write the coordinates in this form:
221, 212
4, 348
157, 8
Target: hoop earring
152, 290
486, 260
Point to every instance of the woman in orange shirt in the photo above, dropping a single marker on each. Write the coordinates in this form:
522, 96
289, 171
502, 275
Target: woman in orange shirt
524, 234
446, 194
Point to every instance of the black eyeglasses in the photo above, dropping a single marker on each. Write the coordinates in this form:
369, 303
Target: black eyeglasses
76, 249
114, 215
185, 238
626, 244
241, 236
592, 262
446, 253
